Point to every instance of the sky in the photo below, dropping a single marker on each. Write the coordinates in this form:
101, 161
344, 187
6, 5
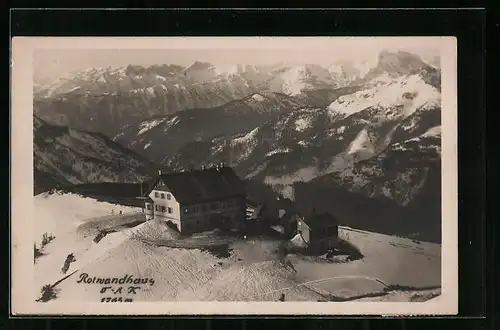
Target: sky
49, 64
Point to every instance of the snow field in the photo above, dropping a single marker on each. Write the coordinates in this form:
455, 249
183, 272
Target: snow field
264, 281
63, 213
253, 272
391, 260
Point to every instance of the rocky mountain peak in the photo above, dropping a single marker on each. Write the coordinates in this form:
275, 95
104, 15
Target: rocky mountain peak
398, 63
135, 69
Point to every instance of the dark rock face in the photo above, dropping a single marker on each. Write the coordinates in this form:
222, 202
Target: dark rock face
64, 156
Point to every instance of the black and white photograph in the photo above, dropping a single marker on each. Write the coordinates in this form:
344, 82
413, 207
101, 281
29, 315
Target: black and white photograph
270, 171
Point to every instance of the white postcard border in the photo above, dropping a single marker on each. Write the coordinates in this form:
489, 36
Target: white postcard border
22, 208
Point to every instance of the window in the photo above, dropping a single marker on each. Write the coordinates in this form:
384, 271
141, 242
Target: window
162, 196
169, 196
157, 194
170, 210
149, 207
186, 210
160, 208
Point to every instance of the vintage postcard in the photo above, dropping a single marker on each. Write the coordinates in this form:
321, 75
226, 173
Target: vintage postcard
222, 175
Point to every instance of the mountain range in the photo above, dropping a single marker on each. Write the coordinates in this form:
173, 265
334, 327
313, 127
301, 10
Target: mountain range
108, 99
366, 134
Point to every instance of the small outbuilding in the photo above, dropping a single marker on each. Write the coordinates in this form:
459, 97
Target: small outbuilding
319, 230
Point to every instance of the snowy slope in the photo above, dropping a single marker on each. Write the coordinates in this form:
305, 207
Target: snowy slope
418, 265
60, 215
252, 272
361, 125
406, 93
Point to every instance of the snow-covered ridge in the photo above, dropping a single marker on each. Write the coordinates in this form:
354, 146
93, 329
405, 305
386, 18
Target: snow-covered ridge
246, 138
278, 151
258, 97
147, 125
160, 77
171, 122
246, 144
303, 124
150, 124
362, 143
432, 133
409, 92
